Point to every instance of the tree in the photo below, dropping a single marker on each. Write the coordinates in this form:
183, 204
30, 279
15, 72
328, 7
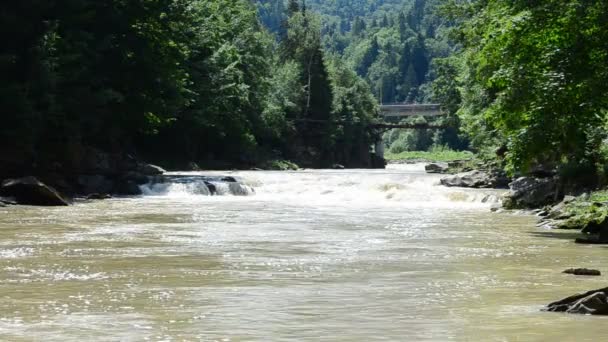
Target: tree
534, 79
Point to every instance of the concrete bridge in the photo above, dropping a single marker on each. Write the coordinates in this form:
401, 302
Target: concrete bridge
393, 111
405, 110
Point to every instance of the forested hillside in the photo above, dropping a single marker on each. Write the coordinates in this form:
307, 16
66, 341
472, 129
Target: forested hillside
174, 81
393, 46
390, 43
179, 81
530, 83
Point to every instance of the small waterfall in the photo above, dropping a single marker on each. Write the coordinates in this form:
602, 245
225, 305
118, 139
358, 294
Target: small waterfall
182, 185
403, 185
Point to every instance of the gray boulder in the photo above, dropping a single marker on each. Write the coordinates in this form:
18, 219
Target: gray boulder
472, 179
529, 192
590, 303
597, 231
436, 168
31, 191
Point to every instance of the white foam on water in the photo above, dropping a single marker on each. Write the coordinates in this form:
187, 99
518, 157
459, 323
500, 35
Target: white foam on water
196, 188
405, 184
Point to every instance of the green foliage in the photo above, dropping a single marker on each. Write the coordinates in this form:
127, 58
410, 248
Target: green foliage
203, 80
532, 78
436, 153
283, 99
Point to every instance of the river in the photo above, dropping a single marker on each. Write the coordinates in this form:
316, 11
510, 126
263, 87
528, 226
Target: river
323, 255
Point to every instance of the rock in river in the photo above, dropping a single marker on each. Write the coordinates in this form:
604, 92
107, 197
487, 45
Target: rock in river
436, 168
530, 192
30, 191
98, 196
472, 179
583, 271
589, 303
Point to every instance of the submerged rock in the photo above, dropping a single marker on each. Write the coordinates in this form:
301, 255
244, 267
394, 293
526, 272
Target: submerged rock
212, 188
436, 168
583, 271
31, 191
98, 196
589, 303
529, 192
238, 189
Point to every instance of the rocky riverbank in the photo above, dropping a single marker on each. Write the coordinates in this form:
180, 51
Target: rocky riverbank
546, 197
99, 175
543, 194
59, 190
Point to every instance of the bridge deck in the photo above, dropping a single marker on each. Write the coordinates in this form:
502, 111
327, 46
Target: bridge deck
401, 110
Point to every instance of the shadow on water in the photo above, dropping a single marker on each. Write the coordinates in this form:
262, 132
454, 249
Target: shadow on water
558, 235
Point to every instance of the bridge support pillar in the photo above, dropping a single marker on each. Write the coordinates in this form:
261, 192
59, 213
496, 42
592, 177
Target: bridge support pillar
379, 149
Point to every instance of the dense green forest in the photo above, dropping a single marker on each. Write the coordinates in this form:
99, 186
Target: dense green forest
239, 82
529, 82
174, 81
392, 45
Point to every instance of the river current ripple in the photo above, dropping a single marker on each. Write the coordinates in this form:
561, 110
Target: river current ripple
323, 255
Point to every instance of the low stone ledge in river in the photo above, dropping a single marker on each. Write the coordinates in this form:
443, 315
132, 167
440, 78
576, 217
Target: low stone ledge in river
589, 303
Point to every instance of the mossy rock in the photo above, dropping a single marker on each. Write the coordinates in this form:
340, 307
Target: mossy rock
577, 222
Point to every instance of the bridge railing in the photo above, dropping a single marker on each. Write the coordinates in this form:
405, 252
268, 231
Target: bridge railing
396, 109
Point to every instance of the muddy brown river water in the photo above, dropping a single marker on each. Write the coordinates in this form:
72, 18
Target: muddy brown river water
356, 255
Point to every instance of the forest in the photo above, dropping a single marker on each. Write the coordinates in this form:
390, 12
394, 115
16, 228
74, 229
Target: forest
174, 81
528, 84
239, 83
